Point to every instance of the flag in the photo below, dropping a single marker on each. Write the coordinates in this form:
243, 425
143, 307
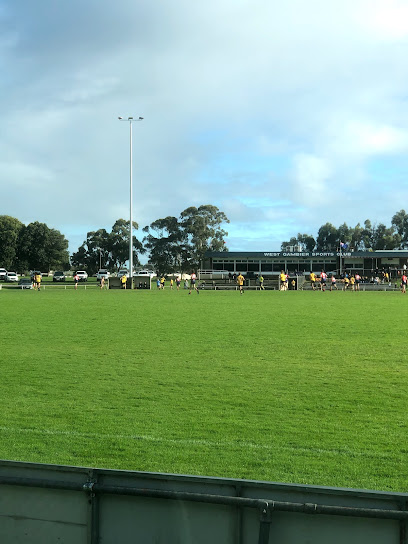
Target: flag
343, 245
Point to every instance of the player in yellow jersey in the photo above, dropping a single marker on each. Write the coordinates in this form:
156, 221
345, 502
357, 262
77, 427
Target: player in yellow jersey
283, 280
37, 281
240, 282
313, 280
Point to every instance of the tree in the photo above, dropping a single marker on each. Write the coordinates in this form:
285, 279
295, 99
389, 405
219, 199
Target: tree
167, 244
327, 238
41, 248
292, 243
356, 240
400, 222
119, 244
306, 242
202, 228
344, 234
10, 228
93, 252
377, 237
111, 249
385, 238
368, 235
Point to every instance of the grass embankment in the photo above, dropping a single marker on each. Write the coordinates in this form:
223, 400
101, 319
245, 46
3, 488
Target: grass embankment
296, 387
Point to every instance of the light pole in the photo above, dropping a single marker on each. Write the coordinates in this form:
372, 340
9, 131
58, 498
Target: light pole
130, 120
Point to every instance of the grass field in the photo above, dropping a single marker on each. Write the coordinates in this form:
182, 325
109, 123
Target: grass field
302, 387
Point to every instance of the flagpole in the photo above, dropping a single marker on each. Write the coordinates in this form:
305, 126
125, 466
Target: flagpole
340, 257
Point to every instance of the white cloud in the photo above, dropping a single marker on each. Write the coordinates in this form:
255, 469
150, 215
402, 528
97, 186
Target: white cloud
385, 19
364, 139
311, 176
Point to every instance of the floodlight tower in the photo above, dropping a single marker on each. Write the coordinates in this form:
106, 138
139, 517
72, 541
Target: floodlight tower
130, 120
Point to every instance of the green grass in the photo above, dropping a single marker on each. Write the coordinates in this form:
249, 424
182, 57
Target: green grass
302, 387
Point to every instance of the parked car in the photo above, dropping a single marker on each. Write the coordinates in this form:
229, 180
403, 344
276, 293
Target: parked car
11, 276
102, 273
3, 274
25, 283
58, 276
123, 273
82, 275
146, 273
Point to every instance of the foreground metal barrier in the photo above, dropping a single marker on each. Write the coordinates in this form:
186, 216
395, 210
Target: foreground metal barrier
47, 503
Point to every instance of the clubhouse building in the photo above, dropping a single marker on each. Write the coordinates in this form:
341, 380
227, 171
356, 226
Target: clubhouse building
270, 263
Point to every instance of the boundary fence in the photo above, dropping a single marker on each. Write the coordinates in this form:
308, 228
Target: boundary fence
51, 503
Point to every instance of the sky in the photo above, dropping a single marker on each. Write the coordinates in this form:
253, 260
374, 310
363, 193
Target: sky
284, 115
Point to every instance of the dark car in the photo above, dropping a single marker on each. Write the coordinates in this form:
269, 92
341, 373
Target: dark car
58, 276
25, 283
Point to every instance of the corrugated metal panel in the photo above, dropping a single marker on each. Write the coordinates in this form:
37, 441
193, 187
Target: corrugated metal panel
47, 503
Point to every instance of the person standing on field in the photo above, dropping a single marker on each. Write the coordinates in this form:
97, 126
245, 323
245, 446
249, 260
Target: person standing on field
76, 280
282, 281
261, 283
323, 280
37, 279
404, 283
178, 281
313, 280
240, 281
102, 282
193, 284
123, 279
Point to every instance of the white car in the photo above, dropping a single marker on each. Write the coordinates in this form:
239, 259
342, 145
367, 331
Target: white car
82, 275
123, 273
3, 274
11, 276
146, 273
102, 273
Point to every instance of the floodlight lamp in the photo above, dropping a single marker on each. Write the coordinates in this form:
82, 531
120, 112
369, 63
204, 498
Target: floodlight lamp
120, 118
141, 118
130, 118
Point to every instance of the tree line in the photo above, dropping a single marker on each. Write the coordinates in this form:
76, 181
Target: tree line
174, 244
31, 247
367, 237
